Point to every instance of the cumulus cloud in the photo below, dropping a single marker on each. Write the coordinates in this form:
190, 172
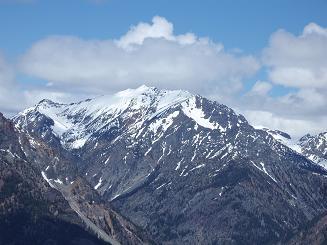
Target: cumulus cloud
261, 88
6, 73
160, 28
14, 97
297, 112
147, 53
297, 127
298, 61
9, 91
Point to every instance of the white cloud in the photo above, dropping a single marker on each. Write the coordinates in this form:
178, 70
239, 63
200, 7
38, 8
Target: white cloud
306, 101
298, 112
298, 61
299, 64
295, 126
148, 53
9, 94
160, 28
6, 73
261, 88
314, 29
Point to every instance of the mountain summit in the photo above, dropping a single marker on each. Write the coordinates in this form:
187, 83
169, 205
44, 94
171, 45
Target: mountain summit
75, 123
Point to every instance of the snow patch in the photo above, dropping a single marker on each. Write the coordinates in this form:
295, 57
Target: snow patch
47, 180
263, 169
179, 164
192, 111
99, 184
58, 181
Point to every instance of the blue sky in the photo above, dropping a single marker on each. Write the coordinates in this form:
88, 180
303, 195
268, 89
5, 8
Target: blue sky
231, 51
236, 23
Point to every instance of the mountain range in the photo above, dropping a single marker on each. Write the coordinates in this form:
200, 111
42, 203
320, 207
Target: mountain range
151, 166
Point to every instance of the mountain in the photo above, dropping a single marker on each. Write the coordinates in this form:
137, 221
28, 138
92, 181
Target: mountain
182, 167
312, 147
36, 210
31, 212
315, 148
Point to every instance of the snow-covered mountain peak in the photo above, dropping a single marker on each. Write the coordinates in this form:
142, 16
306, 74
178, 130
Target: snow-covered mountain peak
76, 122
143, 89
140, 98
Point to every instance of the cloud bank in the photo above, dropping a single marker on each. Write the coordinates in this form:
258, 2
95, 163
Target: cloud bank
298, 63
10, 99
147, 53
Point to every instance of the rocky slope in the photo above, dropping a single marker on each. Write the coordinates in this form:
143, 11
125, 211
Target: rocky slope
41, 209
31, 212
186, 169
